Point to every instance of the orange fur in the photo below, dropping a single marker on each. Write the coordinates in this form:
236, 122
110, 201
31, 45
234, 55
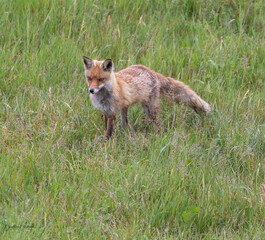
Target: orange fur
115, 92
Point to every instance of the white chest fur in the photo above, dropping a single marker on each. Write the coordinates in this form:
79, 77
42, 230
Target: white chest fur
104, 101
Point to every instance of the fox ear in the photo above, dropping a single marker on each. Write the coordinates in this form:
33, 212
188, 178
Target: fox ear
88, 63
107, 65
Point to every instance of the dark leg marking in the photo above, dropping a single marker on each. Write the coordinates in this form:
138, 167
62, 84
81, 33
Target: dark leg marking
110, 124
124, 118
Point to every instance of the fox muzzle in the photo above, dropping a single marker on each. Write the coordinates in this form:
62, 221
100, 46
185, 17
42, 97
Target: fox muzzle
96, 90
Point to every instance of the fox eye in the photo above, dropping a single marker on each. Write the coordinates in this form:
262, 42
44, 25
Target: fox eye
101, 79
89, 78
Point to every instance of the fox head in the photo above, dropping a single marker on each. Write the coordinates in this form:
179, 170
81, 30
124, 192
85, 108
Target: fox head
98, 73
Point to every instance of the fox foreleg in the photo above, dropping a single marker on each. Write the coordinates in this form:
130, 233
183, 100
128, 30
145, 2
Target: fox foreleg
124, 118
110, 125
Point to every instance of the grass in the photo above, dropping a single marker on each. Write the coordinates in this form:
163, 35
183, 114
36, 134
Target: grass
201, 178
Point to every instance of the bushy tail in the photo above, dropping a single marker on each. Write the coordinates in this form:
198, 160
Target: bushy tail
180, 92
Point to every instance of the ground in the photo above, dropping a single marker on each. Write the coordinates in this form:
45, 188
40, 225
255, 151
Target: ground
201, 178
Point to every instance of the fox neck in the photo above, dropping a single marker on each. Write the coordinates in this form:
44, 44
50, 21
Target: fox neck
104, 100
110, 83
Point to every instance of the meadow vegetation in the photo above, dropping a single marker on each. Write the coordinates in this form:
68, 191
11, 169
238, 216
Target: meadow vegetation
201, 178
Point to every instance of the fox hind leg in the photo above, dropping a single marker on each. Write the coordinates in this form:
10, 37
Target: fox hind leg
152, 109
146, 110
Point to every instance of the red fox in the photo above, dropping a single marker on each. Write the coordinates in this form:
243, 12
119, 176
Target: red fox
113, 92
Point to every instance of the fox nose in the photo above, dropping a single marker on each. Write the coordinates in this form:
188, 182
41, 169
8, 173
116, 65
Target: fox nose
91, 90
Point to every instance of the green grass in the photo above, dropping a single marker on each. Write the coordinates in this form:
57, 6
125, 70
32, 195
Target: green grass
201, 178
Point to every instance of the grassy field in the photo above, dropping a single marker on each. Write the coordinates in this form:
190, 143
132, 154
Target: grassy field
201, 178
